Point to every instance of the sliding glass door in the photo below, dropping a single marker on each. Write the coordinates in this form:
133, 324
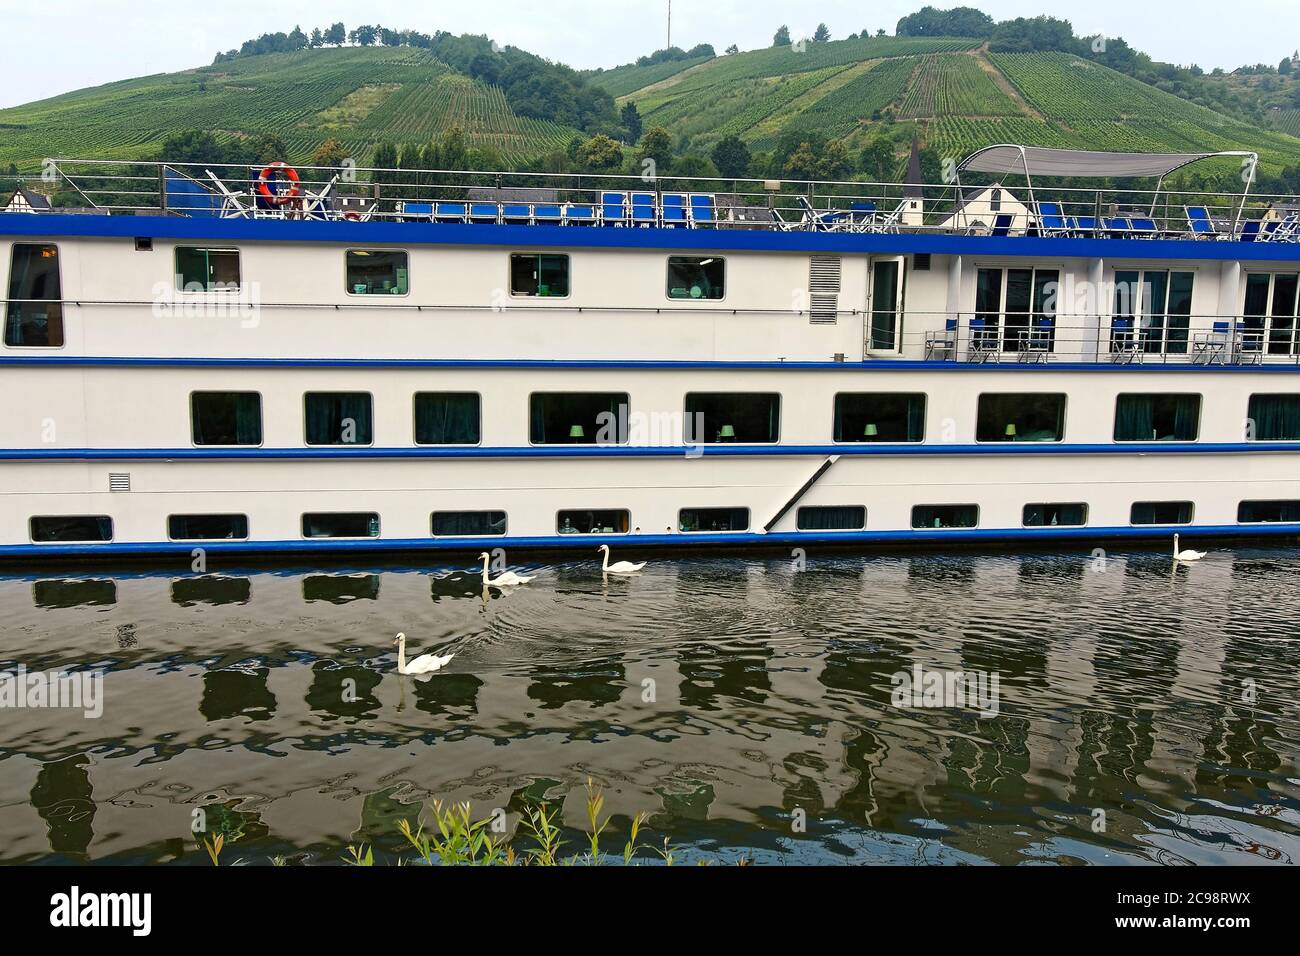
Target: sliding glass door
885, 332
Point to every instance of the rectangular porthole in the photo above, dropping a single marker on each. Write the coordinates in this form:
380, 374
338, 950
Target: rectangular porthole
707, 520
1161, 512
346, 525
71, 529
1263, 512
832, 518
207, 527
1055, 515
599, 521
468, 524
945, 516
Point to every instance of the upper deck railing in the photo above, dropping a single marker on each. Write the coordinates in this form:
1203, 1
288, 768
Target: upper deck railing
486, 198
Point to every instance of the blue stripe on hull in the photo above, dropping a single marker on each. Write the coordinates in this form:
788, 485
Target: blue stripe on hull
53, 225
632, 542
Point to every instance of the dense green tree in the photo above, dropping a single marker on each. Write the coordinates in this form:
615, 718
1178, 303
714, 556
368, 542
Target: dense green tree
317, 38
600, 153
631, 120
329, 154
733, 50
782, 37
731, 157
822, 34
957, 22
877, 161
336, 35
657, 145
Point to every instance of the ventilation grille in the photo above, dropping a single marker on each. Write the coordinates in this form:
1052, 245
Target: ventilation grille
823, 309
824, 274
921, 262
119, 482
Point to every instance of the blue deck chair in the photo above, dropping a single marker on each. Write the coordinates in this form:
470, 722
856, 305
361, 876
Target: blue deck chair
1202, 226
417, 210
1144, 227
1249, 230
1083, 225
1002, 224
1050, 220
484, 212
1116, 227
580, 215
674, 210
613, 209
643, 209
1288, 230
703, 213
449, 212
547, 214
517, 214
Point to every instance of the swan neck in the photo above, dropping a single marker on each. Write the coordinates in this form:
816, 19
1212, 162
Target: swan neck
401, 655
605, 565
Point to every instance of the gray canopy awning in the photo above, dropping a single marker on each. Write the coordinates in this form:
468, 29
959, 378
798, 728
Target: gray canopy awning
1045, 161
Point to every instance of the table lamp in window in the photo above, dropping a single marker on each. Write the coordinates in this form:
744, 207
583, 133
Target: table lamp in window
871, 432
1011, 431
577, 432
727, 433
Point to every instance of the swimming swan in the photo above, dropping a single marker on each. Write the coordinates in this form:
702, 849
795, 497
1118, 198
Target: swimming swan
618, 567
425, 664
1188, 555
507, 580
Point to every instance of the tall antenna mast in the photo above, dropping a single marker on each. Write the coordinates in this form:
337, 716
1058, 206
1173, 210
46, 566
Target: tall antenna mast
670, 25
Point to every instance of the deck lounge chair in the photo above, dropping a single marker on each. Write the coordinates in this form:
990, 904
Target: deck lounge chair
1144, 227
449, 212
613, 209
703, 211
1249, 231
1202, 226
1116, 227
517, 214
579, 215
674, 210
484, 212
549, 214
1002, 224
1085, 226
1050, 220
643, 209
415, 210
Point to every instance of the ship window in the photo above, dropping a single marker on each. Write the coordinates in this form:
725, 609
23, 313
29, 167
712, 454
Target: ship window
1020, 417
704, 520
1020, 302
880, 417
207, 527
226, 418
834, 518
578, 418
34, 317
71, 528
1271, 302
1160, 305
468, 524
1054, 516
1157, 417
376, 272
690, 277
539, 275
447, 418
1252, 512
1273, 418
945, 516
1161, 512
206, 270
607, 521
743, 417
354, 525
338, 418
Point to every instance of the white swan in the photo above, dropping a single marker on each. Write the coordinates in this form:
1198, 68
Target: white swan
618, 567
1188, 555
425, 664
507, 580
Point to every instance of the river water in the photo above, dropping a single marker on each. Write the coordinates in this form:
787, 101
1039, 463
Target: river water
1143, 713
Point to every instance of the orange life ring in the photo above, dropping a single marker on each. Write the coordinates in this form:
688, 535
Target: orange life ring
272, 171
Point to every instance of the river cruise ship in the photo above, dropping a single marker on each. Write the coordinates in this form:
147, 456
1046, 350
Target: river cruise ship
308, 360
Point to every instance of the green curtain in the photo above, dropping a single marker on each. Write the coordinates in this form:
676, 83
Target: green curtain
328, 413
1276, 417
450, 418
1135, 417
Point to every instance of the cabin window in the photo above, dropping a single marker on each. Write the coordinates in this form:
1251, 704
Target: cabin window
34, 317
339, 418
71, 529
545, 276
1054, 516
607, 521
703, 520
1161, 512
226, 418
945, 516
1270, 310
1159, 305
447, 418
377, 272
206, 270
349, 525
880, 417
1157, 417
1273, 418
832, 518
207, 527
1020, 417
886, 304
691, 277
1017, 306
468, 524
578, 418
740, 417
1258, 512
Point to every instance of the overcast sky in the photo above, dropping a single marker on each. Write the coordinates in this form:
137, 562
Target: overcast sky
59, 45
